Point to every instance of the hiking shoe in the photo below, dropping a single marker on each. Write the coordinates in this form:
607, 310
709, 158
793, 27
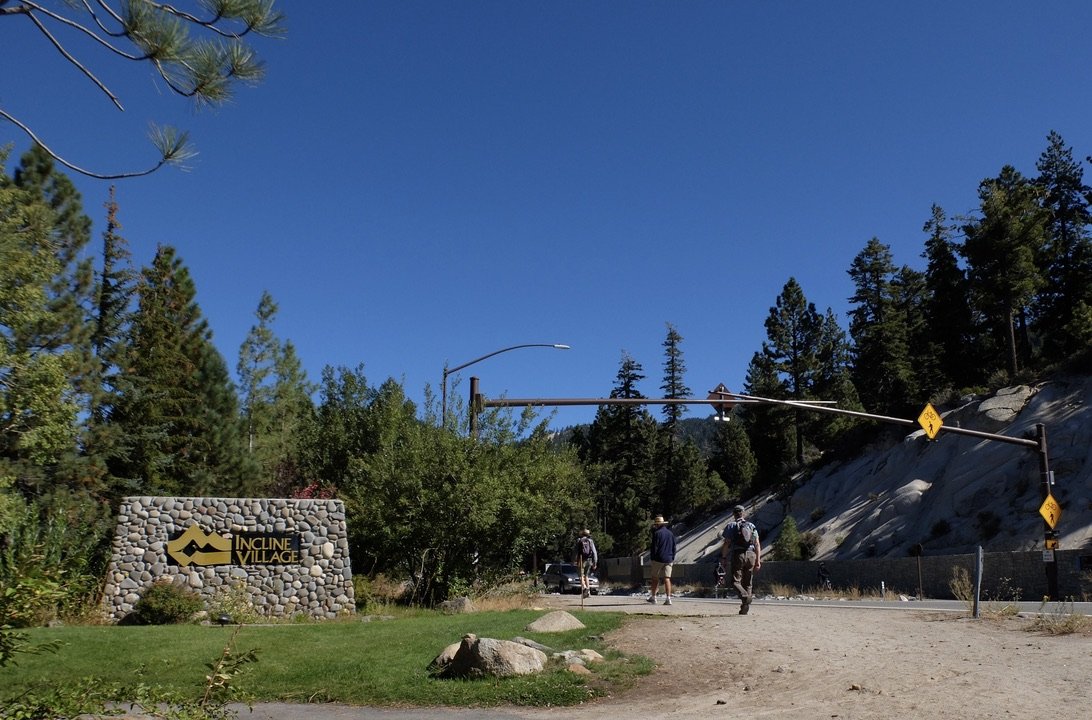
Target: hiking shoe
743, 609
651, 599
667, 601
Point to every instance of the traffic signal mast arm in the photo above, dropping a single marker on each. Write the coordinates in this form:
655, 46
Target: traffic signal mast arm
741, 399
721, 397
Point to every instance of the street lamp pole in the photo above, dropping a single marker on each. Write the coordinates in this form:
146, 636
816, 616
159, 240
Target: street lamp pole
449, 371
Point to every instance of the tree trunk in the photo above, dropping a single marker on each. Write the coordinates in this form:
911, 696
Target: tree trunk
1012, 345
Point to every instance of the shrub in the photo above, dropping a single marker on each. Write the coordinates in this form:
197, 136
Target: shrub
809, 541
377, 592
787, 545
961, 586
1085, 579
30, 601
51, 554
166, 604
1062, 621
234, 601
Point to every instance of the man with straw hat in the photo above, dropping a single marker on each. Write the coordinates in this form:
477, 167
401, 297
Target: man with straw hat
662, 554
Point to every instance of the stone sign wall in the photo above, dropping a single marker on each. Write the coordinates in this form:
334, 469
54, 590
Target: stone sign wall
291, 556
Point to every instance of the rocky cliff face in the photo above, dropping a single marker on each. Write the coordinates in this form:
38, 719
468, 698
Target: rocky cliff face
950, 494
957, 492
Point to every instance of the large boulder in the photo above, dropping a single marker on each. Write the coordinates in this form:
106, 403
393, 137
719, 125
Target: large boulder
457, 606
487, 657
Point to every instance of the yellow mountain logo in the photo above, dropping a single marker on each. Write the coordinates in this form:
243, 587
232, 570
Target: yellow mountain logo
196, 547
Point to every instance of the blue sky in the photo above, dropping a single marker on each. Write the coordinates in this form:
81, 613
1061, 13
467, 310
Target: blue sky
425, 182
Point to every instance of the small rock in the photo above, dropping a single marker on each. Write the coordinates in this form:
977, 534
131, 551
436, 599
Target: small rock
590, 655
531, 643
557, 621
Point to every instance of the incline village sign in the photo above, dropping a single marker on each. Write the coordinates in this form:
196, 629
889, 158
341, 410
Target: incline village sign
289, 556
194, 546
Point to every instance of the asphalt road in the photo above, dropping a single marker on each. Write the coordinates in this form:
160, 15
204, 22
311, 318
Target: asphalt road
728, 605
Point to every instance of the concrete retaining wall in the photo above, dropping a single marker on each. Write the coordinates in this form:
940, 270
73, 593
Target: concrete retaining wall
288, 556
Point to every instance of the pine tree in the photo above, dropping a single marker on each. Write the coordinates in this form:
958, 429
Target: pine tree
69, 328
908, 297
200, 56
676, 472
769, 427
793, 330
276, 402
620, 451
180, 413
674, 384
732, 459
341, 429
293, 413
833, 382
953, 341
787, 545
881, 363
257, 356
114, 292
1064, 302
1001, 248
38, 402
66, 326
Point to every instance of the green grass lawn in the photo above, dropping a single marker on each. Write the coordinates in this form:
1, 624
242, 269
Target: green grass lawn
383, 662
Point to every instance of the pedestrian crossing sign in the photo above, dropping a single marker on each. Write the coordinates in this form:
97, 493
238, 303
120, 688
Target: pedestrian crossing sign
930, 421
1051, 511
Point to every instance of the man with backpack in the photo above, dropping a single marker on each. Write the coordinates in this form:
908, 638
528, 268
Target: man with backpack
742, 552
587, 559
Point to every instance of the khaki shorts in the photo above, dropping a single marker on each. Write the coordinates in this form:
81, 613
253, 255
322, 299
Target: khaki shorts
659, 568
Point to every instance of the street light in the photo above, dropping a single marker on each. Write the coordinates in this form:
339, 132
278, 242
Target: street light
448, 371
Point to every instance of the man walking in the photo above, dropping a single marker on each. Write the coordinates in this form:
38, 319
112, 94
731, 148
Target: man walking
587, 559
662, 555
742, 552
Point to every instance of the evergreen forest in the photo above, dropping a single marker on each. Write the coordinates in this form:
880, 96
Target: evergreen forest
111, 386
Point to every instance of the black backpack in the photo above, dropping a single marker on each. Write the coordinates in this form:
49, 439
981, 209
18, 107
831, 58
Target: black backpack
584, 546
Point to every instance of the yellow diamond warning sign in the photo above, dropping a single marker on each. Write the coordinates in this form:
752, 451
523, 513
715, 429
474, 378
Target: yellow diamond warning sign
1051, 511
930, 421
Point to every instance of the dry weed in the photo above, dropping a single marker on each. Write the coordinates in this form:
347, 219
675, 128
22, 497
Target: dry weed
1062, 621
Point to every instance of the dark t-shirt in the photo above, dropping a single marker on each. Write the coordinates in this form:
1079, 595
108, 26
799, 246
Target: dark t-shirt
663, 544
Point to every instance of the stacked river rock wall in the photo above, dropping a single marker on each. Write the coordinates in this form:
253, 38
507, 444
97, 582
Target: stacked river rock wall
289, 556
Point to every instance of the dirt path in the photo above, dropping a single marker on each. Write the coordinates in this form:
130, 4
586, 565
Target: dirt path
806, 662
